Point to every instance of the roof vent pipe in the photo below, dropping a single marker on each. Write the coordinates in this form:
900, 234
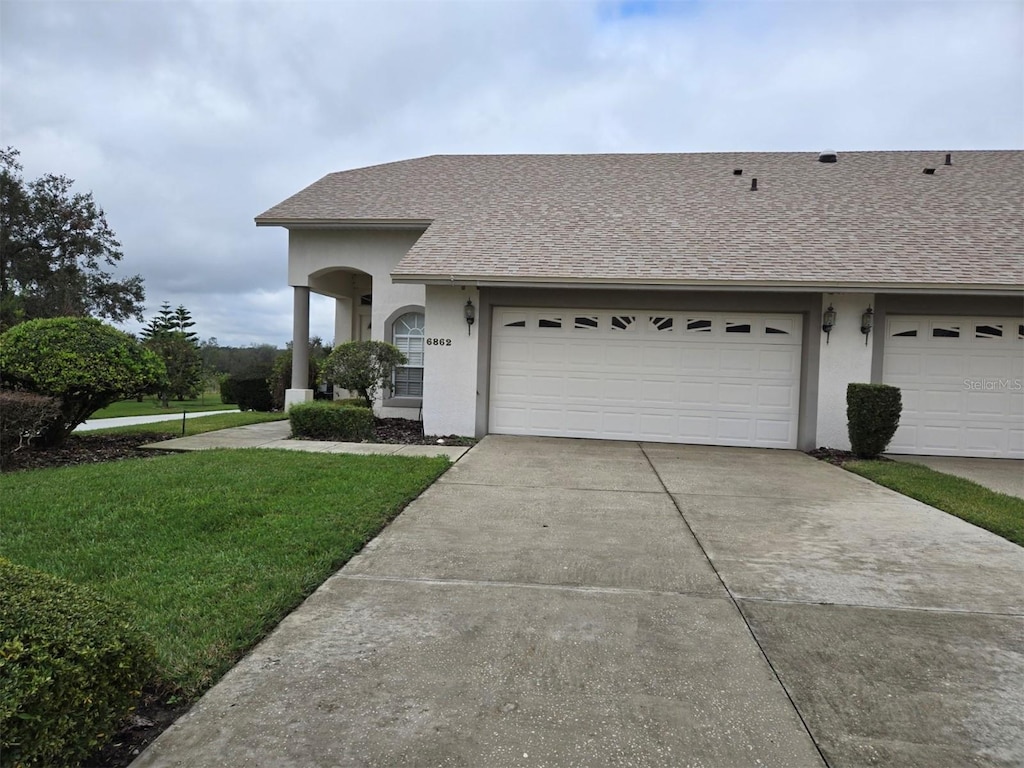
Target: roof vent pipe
828, 156
753, 185
949, 158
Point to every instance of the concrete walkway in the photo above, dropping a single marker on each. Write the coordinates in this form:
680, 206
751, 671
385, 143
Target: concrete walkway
1002, 475
126, 421
276, 434
581, 603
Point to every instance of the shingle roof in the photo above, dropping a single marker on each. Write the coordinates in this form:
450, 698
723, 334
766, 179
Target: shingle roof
872, 218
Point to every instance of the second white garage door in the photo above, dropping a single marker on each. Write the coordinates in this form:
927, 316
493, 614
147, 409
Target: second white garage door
680, 377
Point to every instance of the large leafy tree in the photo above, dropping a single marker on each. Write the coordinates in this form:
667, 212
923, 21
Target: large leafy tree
56, 249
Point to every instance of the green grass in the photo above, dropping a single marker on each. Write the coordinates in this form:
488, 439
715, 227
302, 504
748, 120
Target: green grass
208, 550
997, 512
172, 427
150, 406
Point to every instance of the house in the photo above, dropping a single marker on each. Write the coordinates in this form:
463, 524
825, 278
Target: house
715, 298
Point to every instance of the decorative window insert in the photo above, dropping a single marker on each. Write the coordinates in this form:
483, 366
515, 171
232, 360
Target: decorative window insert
946, 332
407, 335
903, 329
586, 323
986, 331
661, 324
736, 326
1020, 332
698, 325
516, 324
623, 322
775, 329
549, 321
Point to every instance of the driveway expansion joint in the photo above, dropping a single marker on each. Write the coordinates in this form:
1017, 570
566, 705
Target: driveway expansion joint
532, 585
894, 608
739, 610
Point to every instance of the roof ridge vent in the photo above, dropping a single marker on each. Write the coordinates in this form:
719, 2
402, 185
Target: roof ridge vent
828, 156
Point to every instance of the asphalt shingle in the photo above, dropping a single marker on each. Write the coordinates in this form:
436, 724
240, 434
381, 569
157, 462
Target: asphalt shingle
872, 218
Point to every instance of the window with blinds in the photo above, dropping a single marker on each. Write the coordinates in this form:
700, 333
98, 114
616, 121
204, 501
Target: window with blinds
407, 335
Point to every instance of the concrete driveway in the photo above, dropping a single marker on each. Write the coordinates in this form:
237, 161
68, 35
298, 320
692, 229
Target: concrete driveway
580, 603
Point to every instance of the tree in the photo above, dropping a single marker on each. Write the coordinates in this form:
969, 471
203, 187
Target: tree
85, 363
281, 377
165, 335
183, 321
184, 365
362, 366
55, 246
162, 322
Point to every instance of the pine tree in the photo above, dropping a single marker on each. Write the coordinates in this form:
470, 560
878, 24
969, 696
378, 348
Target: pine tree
183, 321
163, 322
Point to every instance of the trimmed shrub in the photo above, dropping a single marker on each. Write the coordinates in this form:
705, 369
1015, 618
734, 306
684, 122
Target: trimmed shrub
72, 667
365, 367
873, 414
23, 416
84, 363
322, 420
250, 394
228, 395
357, 402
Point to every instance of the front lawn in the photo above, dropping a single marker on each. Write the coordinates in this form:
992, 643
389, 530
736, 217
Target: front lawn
996, 512
150, 406
208, 550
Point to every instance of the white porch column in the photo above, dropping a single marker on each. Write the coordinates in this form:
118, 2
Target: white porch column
300, 391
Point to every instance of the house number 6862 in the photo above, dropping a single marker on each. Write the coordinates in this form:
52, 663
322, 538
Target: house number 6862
439, 342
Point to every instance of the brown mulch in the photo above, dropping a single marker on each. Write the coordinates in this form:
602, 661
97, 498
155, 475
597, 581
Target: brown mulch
837, 457
157, 710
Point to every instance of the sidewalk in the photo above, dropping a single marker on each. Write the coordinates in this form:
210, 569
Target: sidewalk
276, 434
127, 421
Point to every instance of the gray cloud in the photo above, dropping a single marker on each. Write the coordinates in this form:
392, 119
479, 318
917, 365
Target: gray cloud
188, 119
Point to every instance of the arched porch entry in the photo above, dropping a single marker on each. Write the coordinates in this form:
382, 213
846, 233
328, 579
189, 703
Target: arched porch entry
352, 291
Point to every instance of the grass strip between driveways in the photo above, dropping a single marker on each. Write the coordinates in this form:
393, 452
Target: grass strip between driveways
208, 550
150, 406
172, 428
996, 512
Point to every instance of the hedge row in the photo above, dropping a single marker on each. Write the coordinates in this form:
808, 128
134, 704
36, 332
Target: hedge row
323, 420
72, 667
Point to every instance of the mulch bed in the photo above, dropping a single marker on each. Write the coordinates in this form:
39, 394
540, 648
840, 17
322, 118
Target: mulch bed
158, 710
837, 457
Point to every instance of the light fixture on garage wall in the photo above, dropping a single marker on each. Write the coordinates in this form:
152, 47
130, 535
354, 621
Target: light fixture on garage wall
470, 312
828, 322
867, 320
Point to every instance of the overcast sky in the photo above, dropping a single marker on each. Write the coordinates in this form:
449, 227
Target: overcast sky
186, 119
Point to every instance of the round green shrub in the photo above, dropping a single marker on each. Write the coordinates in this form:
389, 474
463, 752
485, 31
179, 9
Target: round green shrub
873, 415
72, 667
84, 363
324, 420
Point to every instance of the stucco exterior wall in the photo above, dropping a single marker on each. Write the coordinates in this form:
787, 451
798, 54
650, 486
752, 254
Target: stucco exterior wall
844, 358
313, 254
450, 393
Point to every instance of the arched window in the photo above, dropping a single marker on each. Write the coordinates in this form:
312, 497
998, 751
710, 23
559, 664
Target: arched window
407, 335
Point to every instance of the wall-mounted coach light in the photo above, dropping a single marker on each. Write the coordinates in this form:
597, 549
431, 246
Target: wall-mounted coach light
470, 311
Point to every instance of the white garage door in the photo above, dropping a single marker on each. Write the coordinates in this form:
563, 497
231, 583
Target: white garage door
680, 377
963, 385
